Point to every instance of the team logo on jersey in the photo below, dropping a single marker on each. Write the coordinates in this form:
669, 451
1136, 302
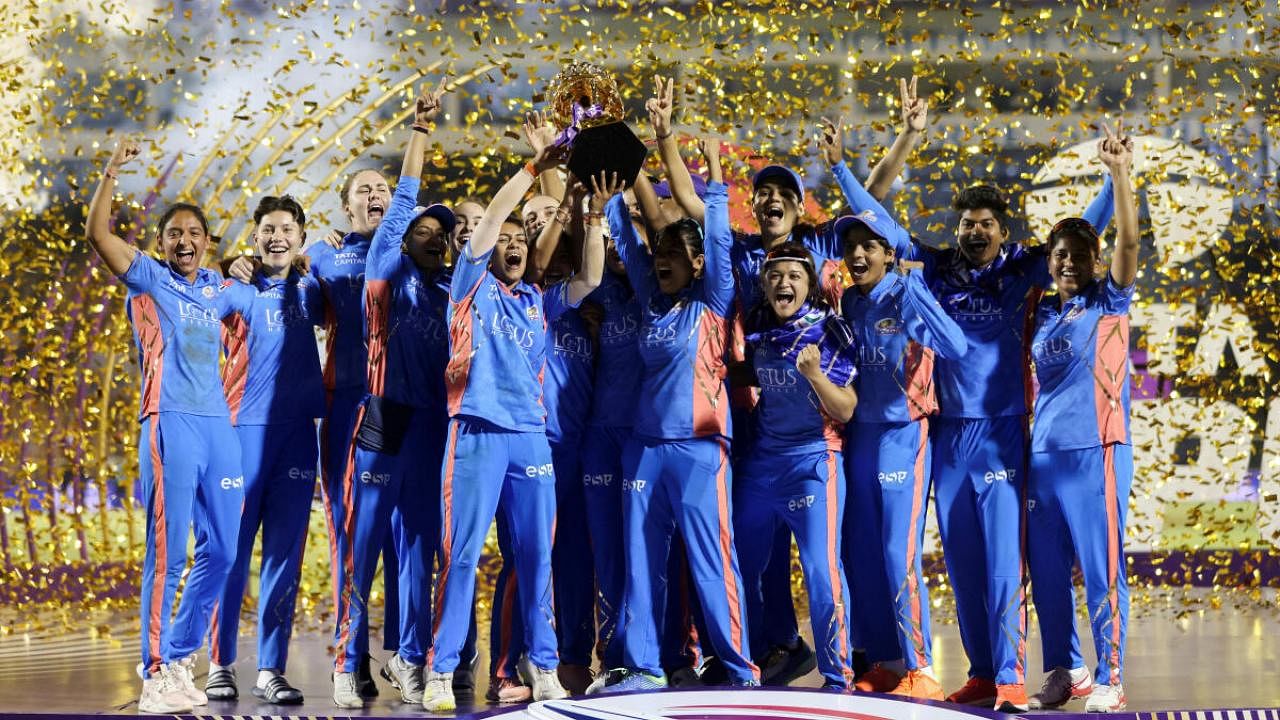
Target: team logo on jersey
208, 291
532, 312
1075, 313
889, 326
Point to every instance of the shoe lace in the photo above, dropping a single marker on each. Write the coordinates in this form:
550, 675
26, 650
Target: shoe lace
169, 678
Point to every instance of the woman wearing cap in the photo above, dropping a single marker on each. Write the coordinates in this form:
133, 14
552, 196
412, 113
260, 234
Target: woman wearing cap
803, 356
1081, 456
274, 418
677, 463
899, 327
189, 456
399, 429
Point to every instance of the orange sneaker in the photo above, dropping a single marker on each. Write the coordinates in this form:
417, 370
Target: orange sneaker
918, 685
1011, 698
978, 691
878, 679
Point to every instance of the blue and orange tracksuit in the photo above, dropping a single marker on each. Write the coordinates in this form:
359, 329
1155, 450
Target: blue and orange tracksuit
980, 438
1081, 473
340, 273
274, 391
677, 464
393, 485
189, 457
613, 402
747, 256
898, 325
497, 453
794, 478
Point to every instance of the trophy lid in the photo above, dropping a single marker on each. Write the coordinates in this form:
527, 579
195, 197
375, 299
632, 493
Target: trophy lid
591, 90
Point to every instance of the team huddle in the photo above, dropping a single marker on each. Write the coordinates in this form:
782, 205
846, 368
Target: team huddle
651, 404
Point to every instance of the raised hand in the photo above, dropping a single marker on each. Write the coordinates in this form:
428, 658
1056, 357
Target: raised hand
915, 113
428, 104
660, 106
831, 140
243, 268
604, 186
538, 131
547, 154
1115, 150
809, 361
333, 239
126, 150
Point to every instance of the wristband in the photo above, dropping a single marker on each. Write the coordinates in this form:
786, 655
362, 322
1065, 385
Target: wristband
422, 129
563, 216
111, 172
662, 137
592, 215
530, 168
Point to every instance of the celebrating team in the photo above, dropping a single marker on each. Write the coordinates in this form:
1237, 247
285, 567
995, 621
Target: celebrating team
651, 404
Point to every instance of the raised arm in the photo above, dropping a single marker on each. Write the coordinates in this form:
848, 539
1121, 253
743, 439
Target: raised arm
592, 273
831, 143
650, 209
678, 176
508, 197
427, 107
718, 283
544, 248
635, 258
915, 115
1103, 206
112, 248
1115, 153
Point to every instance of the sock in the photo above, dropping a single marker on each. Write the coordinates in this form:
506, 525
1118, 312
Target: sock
927, 670
1078, 674
214, 666
264, 677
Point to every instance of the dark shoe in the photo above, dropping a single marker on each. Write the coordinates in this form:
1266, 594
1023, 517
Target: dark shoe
278, 692
714, 672
221, 684
783, 665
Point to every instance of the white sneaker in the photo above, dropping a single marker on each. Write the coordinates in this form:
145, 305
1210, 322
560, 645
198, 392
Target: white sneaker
185, 671
525, 669
1106, 699
438, 696
1060, 686
345, 692
162, 695
405, 677
546, 685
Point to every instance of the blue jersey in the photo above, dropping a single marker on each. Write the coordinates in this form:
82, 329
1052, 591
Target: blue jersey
748, 252
272, 372
618, 367
1081, 357
177, 326
789, 417
497, 346
341, 277
567, 385
994, 307
405, 327
899, 325
682, 338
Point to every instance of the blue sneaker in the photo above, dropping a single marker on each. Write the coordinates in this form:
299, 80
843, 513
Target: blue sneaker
631, 680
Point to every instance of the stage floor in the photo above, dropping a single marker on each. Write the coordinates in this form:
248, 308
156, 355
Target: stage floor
1178, 659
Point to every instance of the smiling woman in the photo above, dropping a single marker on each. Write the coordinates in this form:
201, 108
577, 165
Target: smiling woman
189, 456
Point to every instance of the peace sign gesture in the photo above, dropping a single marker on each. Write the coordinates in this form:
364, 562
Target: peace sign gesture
428, 104
915, 113
1116, 149
831, 139
660, 106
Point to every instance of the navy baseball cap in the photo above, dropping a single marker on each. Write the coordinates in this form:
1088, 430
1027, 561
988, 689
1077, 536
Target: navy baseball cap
879, 225
784, 176
441, 213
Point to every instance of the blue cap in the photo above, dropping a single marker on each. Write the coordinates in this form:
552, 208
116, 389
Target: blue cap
879, 225
782, 175
663, 189
441, 213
